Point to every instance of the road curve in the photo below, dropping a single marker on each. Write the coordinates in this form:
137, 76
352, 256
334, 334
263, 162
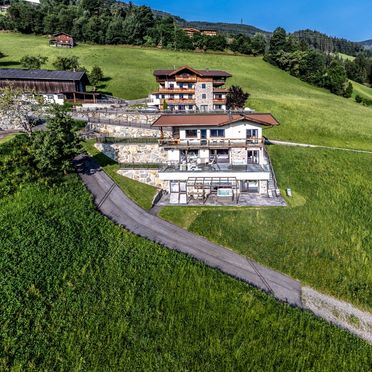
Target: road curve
114, 204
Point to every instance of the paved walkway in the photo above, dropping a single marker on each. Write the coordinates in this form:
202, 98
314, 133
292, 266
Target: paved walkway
114, 204
286, 143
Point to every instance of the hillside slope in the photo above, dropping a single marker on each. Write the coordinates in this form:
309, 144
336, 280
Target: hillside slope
307, 113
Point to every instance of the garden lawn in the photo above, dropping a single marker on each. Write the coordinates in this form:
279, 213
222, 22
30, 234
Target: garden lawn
323, 239
307, 113
79, 293
139, 192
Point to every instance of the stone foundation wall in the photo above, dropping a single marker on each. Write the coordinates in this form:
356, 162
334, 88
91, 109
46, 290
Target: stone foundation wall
147, 176
123, 116
113, 130
133, 153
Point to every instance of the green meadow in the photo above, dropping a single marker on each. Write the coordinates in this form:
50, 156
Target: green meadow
307, 114
79, 293
324, 236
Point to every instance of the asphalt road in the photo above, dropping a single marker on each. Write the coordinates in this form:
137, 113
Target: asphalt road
114, 204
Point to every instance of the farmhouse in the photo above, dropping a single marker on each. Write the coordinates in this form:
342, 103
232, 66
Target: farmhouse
69, 84
190, 31
62, 40
216, 156
188, 89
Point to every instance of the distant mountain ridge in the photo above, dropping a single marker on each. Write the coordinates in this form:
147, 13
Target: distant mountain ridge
367, 44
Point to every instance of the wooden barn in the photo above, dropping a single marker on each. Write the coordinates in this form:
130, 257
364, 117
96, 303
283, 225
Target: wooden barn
62, 40
44, 81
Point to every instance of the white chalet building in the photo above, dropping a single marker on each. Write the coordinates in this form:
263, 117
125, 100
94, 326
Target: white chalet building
187, 89
215, 156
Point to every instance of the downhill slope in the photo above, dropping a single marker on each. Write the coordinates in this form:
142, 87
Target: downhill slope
104, 299
307, 114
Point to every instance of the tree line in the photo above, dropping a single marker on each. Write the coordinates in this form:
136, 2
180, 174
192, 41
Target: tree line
296, 56
111, 22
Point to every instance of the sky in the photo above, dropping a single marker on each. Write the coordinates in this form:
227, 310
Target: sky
350, 19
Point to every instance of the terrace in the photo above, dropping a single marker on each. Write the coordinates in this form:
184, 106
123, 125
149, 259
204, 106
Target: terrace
211, 143
217, 167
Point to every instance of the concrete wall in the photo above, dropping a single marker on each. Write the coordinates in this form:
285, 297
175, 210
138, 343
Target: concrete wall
133, 153
147, 176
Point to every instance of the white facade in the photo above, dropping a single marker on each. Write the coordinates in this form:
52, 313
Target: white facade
233, 154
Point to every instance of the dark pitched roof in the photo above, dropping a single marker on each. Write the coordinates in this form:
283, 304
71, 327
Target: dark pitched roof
202, 73
214, 119
18, 74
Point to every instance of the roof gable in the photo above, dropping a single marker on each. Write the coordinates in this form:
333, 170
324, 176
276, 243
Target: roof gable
218, 120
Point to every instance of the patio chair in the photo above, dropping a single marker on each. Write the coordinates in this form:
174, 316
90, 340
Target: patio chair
277, 192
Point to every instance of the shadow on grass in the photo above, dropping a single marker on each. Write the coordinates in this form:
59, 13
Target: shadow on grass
9, 63
103, 160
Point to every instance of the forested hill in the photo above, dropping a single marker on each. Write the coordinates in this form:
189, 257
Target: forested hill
328, 44
367, 44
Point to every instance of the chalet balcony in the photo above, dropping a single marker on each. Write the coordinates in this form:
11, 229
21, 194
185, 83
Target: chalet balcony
180, 101
175, 91
211, 143
186, 79
219, 101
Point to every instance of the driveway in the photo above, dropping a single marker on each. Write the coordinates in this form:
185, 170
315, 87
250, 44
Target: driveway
114, 204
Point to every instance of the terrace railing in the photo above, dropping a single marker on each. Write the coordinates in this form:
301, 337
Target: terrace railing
218, 142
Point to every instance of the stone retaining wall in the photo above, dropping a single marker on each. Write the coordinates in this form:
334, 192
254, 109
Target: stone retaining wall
147, 176
133, 153
129, 117
113, 130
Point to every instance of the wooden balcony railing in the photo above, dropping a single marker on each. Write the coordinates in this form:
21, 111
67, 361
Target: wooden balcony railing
212, 143
175, 91
191, 79
179, 101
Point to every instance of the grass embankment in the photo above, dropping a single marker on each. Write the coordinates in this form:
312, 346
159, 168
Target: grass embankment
7, 138
324, 238
139, 192
79, 293
307, 114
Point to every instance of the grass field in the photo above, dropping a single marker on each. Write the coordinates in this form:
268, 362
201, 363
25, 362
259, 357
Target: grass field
139, 192
324, 238
307, 113
362, 90
104, 299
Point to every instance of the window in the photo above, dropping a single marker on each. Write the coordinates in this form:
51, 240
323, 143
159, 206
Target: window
157, 96
191, 107
181, 96
252, 133
171, 86
204, 96
190, 96
181, 107
163, 96
217, 132
191, 133
253, 157
204, 86
190, 85
181, 85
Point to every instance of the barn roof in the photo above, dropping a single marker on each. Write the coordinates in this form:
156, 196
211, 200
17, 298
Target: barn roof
19, 74
218, 120
202, 73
